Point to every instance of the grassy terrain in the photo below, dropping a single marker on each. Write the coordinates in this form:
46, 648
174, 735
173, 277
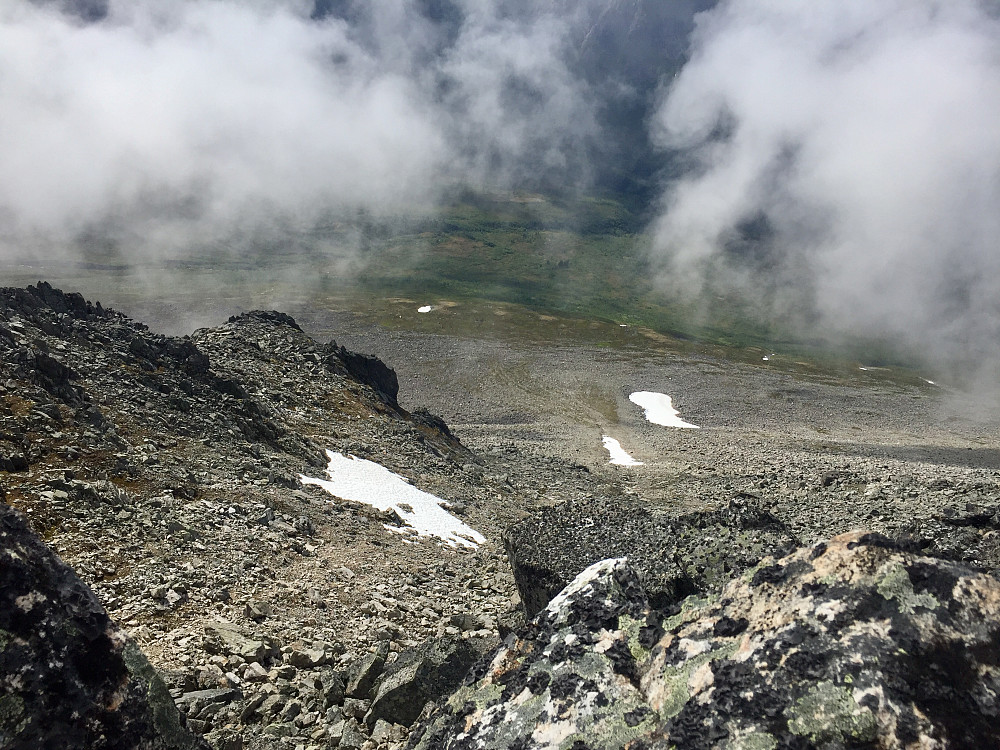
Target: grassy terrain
517, 265
586, 259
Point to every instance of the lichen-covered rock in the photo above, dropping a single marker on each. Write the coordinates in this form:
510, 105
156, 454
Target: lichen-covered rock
850, 643
572, 676
69, 676
674, 555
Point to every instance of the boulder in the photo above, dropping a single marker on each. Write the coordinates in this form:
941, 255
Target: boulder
422, 674
674, 555
366, 671
855, 642
227, 638
69, 676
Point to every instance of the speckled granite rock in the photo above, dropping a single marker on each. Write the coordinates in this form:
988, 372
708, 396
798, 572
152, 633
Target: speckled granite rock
69, 677
674, 555
850, 643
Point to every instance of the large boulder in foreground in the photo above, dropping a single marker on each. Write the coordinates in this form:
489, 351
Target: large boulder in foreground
850, 643
674, 555
69, 676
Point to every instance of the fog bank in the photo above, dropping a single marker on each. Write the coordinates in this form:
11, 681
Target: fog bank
843, 168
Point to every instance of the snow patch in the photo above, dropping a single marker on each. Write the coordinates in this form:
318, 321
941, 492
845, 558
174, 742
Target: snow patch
362, 481
425, 309
619, 456
659, 409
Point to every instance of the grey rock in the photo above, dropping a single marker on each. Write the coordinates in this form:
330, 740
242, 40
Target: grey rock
352, 738
420, 675
366, 671
306, 658
69, 676
356, 708
196, 699
227, 638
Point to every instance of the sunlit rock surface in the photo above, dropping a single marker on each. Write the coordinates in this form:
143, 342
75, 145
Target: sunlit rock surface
850, 643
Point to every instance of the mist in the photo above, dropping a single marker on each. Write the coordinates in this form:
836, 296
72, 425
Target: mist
168, 127
842, 166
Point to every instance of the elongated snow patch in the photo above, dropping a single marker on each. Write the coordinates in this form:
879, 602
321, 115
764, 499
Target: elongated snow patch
619, 456
425, 309
659, 409
353, 478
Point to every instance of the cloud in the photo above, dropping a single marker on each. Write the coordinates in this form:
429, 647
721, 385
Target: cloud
174, 123
843, 158
200, 115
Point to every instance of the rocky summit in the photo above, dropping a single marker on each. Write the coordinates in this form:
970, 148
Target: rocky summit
174, 577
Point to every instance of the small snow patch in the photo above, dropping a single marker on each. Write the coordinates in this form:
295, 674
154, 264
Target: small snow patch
659, 409
353, 478
619, 456
425, 309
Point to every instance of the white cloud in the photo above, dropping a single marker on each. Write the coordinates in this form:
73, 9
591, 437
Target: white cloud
865, 132
169, 122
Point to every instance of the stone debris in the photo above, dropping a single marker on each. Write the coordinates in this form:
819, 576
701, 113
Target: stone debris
164, 471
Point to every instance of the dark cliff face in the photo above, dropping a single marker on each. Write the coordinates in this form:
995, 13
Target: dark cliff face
69, 676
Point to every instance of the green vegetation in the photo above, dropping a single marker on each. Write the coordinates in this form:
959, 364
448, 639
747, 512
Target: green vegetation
585, 258
521, 265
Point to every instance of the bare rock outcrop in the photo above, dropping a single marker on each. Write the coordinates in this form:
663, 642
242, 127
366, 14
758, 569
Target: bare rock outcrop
854, 642
69, 676
675, 555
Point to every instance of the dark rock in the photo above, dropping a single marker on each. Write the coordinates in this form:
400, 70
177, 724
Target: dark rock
366, 671
334, 687
371, 371
13, 462
420, 675
851, 643
70, 676
675, 555
266, 316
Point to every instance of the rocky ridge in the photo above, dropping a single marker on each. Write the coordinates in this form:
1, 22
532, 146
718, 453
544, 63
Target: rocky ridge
165, 471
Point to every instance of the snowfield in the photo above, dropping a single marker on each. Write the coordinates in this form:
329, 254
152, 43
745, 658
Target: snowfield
353, 478
619, 457
659, 409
